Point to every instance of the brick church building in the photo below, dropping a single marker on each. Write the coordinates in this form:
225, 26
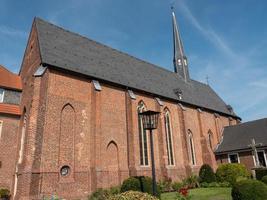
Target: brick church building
79, 127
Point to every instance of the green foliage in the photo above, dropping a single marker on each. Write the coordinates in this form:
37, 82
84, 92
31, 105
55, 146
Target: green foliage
249, 190
191, 182
4, 193
131, 183
260, 172
146, 186
179, 196
264, 179
99, 194
165, 185
230, 171
132, 195
206, 174
176, 186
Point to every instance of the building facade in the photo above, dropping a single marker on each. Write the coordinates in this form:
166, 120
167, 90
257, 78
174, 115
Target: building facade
10, 91
241, 143
80, 129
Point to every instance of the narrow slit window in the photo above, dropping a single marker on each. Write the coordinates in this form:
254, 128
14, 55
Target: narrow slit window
2, 93
191, 147
169, 138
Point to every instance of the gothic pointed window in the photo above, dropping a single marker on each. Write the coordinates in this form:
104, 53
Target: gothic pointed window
143, 143
210, 139
168, 131
191, 148
22, 139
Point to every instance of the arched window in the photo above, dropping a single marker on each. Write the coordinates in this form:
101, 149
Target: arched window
169, 138
191, 147
210, 139
142, 137
22, 139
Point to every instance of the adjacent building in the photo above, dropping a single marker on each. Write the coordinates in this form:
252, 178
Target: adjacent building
240, 143
10, 92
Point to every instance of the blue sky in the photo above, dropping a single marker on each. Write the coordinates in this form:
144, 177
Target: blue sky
225, 40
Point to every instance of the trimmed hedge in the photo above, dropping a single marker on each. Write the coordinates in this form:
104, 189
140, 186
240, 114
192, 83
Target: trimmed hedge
141, 183
132, 195
260, 172
249, 190
4, 193
132, 184
264, 179
230, 172
206, 174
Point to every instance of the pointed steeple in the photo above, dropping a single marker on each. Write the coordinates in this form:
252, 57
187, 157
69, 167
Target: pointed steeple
179, 58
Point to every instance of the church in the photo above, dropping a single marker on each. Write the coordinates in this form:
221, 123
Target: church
78, 127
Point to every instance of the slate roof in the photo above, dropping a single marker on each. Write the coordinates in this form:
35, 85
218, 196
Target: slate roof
238, 137
69, 51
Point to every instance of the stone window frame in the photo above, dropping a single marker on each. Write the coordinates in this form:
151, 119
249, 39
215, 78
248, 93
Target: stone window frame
169, 138
264, 154
191, 145
2, 95
143, 137
230, 154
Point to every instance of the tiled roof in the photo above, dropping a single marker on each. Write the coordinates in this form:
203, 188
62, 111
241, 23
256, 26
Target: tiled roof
9, 79
238, 137
65, 50
10, 109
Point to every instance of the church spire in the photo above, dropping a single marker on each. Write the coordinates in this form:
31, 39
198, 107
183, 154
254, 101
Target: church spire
179, 58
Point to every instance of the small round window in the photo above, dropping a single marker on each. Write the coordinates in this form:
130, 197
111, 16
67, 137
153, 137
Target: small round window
65, 170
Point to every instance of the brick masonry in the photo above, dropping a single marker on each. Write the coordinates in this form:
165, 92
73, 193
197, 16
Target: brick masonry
95, 133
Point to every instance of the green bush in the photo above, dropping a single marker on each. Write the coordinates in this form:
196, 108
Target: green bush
132, 195
249, 190
165, 185
214, 184
206, 174
99, 194
230, 171
4, 193
176, 186
191, 182
132, 184
260, 172
264, 179
146, 186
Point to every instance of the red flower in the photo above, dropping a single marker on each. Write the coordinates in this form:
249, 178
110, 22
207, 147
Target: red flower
183, 191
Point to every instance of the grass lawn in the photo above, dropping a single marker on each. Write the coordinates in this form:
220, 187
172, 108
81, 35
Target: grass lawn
203, 194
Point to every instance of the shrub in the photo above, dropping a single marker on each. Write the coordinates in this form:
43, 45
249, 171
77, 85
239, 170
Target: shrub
249, 190
131, 183
224, 184
99, 194
132, 195
191, 182
214, 184
260, 172
165, 185
206, 174
177, 186
230, 171
146, 186
4, 193
264, 179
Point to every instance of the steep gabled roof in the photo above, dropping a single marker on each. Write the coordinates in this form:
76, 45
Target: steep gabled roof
238, 137
9, 79
69, 51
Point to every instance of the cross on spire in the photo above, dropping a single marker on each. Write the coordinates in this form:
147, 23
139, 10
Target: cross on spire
179, 57
254, 146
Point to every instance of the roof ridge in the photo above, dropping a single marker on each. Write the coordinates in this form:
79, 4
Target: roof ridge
99, 43
246, 123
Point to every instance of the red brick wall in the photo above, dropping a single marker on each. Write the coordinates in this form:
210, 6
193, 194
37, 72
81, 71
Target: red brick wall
8, 148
